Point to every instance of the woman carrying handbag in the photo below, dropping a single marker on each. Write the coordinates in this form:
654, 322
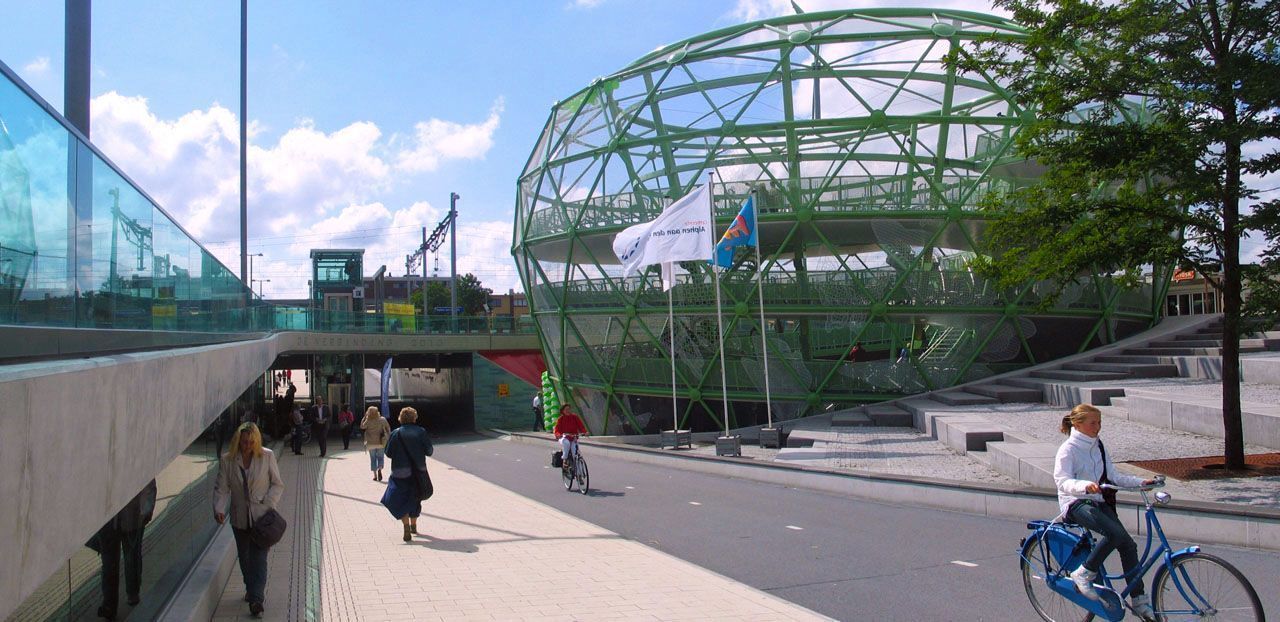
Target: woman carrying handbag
409, 484
249, 477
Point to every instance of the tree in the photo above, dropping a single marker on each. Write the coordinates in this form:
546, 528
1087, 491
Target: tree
1149, 116
472, 295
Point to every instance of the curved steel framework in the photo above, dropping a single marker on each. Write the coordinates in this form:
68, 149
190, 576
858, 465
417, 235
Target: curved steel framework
867, 156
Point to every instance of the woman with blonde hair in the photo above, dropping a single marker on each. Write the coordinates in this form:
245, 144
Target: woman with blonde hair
376, 430
408, 449
248, 477
1080, 469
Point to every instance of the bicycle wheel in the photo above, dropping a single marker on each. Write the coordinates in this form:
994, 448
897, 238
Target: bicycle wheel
567, 476
1210, 584
1051, 606
583, 477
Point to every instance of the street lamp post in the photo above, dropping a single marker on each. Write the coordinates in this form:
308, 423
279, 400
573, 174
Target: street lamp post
453, 260
251, 270
260, 282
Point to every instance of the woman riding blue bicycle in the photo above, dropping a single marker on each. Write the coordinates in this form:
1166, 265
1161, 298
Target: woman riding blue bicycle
1080, 469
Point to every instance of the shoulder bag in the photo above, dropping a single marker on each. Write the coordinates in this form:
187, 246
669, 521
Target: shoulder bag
421, 480
269, 528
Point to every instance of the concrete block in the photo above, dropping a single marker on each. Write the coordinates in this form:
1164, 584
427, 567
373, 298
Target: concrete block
1261, 425
1037, 472
1006, 394
851, 419
1197, 418
889, 415
1258, 370
1077, 376
965, 435
962, 398
1152, 410
1189, 525
1008, 458
15, 462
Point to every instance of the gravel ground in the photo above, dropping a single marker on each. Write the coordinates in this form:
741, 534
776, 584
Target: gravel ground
902, 451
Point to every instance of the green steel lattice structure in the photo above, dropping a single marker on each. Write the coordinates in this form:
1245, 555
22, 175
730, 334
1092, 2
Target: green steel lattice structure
868, 157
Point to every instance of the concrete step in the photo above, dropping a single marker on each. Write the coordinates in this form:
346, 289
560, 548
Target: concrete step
1007, 394
962, 398
1068, 393
1135, 359
1185, 341
982, 456
889, 415
1028, 462
1171, 351
967, 433
1077, 376
1134, 370
851, 419
1119, 402
1203, 416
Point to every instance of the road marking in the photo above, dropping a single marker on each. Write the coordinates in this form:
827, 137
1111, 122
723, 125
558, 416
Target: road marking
795, 528
694, 503
631, 487
965, 564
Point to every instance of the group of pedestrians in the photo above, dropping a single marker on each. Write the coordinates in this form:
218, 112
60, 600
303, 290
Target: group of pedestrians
317, 418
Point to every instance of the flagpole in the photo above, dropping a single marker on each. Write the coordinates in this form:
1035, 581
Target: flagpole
724, 383
671, 333
764, 343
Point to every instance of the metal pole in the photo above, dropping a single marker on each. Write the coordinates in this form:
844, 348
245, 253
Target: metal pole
671, 322
425, 323
724, 383
453, 258
764, 344
78, 27
244, 140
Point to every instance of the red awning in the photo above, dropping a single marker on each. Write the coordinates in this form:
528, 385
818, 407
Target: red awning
526, 365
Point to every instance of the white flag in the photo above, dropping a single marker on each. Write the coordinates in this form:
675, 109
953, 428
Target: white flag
682, 232
670, 270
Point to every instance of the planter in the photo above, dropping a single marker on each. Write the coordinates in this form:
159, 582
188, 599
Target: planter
729, 446
675, 438
771, 437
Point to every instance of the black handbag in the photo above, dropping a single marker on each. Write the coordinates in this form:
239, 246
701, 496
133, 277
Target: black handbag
556, 459
265, 532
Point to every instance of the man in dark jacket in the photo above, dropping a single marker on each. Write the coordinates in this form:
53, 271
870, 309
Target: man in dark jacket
123, 534
320, 425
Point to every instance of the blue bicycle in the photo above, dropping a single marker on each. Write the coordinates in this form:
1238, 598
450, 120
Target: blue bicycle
1189, 585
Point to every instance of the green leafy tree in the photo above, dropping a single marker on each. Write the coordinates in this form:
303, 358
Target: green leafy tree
1156, 124
472, 295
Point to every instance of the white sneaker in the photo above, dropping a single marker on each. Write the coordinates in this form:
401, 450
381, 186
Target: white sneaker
1084, 582
1141, 606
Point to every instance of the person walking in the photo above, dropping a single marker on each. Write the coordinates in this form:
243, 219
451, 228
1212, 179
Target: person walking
123, 535
408, 448
376, 430
346, 419
249, 479
538, 425
295, 417
320, 425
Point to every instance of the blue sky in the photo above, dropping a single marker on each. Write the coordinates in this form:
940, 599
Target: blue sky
367, 114
364, 115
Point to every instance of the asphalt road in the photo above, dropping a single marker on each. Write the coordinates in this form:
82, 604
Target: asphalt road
845, 558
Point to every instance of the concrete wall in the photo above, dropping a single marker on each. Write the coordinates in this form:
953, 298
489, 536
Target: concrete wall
494, 411
81, 437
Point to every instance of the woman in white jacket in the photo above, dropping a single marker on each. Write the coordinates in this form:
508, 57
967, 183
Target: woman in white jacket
248, 477
1079, 468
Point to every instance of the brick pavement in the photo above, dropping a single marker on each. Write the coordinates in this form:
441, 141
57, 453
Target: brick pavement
483, 553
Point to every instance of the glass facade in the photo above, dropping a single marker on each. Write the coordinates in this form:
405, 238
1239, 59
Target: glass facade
868, 158
81, 245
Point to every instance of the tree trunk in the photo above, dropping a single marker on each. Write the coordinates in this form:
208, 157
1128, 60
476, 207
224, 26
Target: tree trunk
1233, 430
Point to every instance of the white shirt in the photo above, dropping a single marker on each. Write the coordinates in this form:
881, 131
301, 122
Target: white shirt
1078, 464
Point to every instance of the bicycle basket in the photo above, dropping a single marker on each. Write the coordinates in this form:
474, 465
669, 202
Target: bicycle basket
556, 460
1067, 547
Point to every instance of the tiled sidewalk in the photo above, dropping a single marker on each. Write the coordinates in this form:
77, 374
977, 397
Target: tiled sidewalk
484, 553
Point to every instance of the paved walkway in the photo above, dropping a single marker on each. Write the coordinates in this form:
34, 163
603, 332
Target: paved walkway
484, 553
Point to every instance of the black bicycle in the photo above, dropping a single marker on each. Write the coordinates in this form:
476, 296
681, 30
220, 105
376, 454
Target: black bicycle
575, 471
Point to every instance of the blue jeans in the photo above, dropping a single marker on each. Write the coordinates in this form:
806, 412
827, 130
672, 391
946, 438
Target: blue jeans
253, 566
375, 459
1101, 519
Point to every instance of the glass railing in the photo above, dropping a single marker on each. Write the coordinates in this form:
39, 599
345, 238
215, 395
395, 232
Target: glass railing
82, 246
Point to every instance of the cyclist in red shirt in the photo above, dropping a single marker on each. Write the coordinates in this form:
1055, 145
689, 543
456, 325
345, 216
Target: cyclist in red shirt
567, 429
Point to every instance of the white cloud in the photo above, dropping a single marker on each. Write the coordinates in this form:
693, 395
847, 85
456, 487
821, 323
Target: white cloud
436, 140
585, 4
308, 189
37, 67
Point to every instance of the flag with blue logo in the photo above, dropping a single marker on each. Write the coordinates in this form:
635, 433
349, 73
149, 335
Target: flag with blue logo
741, 232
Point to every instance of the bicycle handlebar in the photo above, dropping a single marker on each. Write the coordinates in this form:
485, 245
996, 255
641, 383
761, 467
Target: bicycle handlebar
1158, 483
